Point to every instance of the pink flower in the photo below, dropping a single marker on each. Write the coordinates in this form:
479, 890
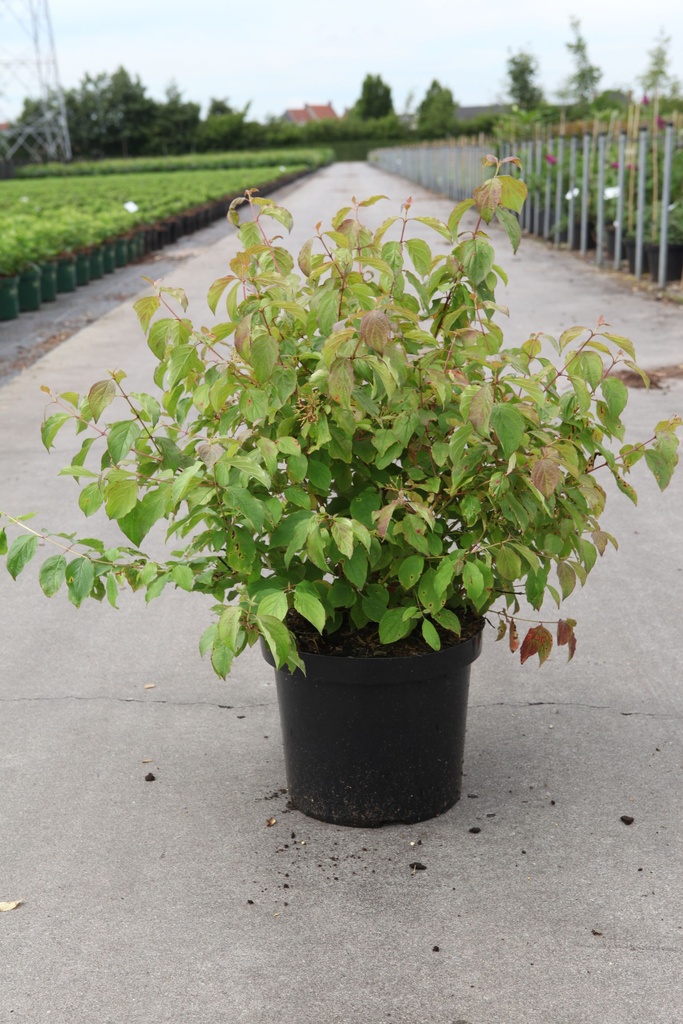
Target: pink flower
550, 158
645, 101
661, 123
615, 164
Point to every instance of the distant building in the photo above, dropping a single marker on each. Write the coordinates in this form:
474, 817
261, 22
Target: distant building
310, 112
469, 113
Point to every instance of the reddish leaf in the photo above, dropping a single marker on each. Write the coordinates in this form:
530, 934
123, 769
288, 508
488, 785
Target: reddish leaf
375, 328
514, 636
546, 475
537, 641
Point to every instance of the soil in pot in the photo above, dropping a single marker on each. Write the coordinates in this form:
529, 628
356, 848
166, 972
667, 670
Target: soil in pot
370, 740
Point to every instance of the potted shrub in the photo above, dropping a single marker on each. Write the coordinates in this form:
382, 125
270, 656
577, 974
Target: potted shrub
359, 471
674, 255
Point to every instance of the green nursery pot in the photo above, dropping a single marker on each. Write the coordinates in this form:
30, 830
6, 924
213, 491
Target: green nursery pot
121, 252
29, 289
109, 257
96, 263
9, 298
48, 282
66, 274
82, 268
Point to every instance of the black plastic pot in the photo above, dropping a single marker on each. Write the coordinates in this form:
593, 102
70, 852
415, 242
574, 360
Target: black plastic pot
368, 741
674, 261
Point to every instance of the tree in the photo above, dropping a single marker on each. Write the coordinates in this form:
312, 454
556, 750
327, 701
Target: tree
522, 69
375, 99
176, 124
657, 79
580, 87
436, 113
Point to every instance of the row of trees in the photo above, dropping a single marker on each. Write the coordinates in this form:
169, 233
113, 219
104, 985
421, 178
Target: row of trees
112, 115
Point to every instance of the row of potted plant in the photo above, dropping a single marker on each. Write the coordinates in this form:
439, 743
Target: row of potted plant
55, 235
309, 157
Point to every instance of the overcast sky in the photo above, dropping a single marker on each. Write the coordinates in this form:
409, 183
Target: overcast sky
281, 53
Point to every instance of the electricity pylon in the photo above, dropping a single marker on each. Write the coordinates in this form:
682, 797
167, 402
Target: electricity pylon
28, 70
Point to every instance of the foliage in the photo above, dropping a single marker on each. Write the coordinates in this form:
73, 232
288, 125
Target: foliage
375, 99
45, 218
581, 86
522, 70
354, 441
436, 113
657, 79
308, 157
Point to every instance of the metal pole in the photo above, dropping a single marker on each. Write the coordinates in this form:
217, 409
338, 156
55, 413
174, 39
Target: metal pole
537, 187
548, 190
640, 207
558, 188
666, 197
602, 139
573, 146
584, 192
621, 180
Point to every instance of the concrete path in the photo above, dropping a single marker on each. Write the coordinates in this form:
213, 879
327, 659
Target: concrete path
172, 902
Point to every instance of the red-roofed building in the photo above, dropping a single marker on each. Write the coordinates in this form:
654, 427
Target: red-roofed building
311, 112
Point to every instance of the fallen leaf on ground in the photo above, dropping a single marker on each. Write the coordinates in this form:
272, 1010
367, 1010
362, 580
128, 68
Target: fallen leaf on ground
10, 906
150, 686
271, 821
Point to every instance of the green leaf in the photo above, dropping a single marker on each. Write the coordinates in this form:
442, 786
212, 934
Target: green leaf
145, 309
274, 602
112, 589
3, 542
511, 226
264, 356
340, 381
122, 495
229, 627
437, 225
356, 568
392, 626
121, 438
567, 577
183, 577
216, 290
457, 214
52, 574
410, 570
473, 580
279, 214
308, 604
80, 575
278, 638
420, 254
513, 192
508, 563
183, 362
509, 425
430, 634
342, 534
615, 394
51, 426
478, 257
22, 550
90, 499
184, 483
